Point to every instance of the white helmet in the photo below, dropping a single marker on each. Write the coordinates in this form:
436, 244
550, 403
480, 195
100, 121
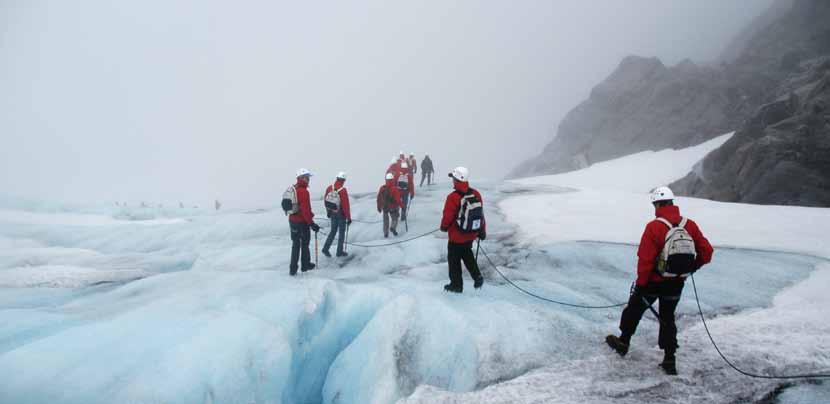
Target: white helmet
401, 153
390, 176
341, 175
661, 194
460, 174
404, 165
303, 173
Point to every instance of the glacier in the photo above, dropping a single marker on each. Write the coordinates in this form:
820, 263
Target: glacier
113, 305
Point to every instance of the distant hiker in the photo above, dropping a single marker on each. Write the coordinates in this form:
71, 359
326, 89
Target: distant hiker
413, 163
426, 170
406, 186
671, 248
217, 205
464, 220
181, 205
297, 205
394, 167
389, 204
336, 200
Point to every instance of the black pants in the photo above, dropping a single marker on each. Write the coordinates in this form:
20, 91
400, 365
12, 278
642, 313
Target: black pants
338, 227
427, 176
668, 293
455, 254
300, 237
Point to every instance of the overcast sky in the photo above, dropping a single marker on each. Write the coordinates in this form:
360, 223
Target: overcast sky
164, 101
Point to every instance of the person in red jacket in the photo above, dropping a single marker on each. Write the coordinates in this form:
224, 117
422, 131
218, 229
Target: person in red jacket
406, 186
413, 163
337, 209
301, 223
651, 285
389, 204
394, 167
460, 245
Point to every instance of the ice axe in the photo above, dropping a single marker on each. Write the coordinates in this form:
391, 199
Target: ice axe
316, 250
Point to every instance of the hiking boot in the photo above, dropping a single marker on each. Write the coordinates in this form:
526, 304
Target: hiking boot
342, 254
292, 271
669, 364
617, 344
478, 283
308, 268
450, 288
394, 232
327, 253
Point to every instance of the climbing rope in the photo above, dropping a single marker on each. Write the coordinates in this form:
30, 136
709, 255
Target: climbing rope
367, 221
529, 293
743, 372
387, 244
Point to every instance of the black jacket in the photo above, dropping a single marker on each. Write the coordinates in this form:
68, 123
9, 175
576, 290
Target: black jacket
426, 165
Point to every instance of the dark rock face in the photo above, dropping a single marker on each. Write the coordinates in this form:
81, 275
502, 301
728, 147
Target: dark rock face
772, 90
780, 156
645, 105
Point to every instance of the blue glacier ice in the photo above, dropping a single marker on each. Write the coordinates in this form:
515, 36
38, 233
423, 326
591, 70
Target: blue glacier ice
97, 306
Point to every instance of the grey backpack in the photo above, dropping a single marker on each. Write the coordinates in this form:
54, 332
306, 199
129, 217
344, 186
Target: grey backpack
289, 201
332, 199
678, 256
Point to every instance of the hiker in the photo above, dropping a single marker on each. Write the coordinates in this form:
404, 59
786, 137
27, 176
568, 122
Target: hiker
464, 220
671, 248
336, 200
394, 167
413, 163
297, 204
217, 205
406, 186
426, 170
389, 204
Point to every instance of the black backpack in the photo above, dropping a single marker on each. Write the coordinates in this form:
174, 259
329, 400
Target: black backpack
470, 213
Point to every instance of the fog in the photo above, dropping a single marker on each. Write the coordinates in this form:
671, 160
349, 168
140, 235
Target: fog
189, 101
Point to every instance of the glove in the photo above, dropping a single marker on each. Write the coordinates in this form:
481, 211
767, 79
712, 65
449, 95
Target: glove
482, 235
349, 222
314, 227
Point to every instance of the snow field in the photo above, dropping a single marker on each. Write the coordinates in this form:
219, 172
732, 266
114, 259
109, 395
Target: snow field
215, 317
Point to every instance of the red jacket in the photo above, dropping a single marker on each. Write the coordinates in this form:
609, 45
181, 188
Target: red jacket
393, 192
410, 179
451, 207
654, 237
394, 168
305, 215
344, 199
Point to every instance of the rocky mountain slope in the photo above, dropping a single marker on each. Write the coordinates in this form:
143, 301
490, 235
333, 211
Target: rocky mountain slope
781, 155
774, 94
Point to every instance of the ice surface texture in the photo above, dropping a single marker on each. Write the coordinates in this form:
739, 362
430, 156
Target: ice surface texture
200, 308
